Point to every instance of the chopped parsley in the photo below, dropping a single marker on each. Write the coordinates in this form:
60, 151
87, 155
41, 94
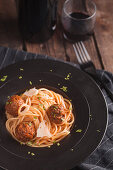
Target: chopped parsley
68, 76
30, 124
32, 154
29, 143
58, 144
39, 98
55, 107
44, 108
40, 104
54, 142
98, 130
64, 88
35, 117
79, 130
21, 69
3, 78
90, 117
30, 82
21, 143
8, 102
20, 77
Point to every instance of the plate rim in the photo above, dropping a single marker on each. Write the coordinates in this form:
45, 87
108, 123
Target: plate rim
86, 75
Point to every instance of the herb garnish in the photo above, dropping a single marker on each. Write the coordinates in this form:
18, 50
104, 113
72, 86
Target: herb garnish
98, 130
20, 77
29, 143
39, 98
8, 97
8, 102
68, 76
21, 143
35, 117
30, 82
40, 80
54, 142
90, 117
64, 88
79, 130
21, 69
44, 108
3, 78
30, 124
58, 144
40, 104
32, 154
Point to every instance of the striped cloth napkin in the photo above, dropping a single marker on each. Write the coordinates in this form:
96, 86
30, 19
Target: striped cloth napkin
102, 157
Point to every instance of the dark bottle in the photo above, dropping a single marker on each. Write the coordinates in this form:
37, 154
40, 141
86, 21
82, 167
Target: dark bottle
37, 19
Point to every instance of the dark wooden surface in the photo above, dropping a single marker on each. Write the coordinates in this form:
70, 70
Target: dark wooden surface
99, 46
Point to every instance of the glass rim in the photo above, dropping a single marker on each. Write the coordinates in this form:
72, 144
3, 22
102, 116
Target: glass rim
76, 18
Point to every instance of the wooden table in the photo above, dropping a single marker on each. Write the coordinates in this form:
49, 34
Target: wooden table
99, 46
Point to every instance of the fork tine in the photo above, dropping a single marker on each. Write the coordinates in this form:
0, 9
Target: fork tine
79, 52
76, 52
85, 51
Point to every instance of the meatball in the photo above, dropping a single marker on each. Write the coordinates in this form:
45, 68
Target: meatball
13, 104
56, 113
25, 131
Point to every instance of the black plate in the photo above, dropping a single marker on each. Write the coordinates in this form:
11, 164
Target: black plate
89, 109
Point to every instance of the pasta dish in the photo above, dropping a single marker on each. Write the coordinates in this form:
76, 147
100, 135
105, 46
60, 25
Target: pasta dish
39, 117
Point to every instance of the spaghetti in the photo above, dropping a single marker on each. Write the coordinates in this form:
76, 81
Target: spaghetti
49, 112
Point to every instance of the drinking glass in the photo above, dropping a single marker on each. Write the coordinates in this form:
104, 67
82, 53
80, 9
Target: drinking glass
78, 19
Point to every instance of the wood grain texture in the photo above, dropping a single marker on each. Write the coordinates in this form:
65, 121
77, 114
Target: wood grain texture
104, 32
9, 34
57, 47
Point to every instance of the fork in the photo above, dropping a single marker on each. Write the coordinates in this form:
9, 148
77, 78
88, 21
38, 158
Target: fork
87, 66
